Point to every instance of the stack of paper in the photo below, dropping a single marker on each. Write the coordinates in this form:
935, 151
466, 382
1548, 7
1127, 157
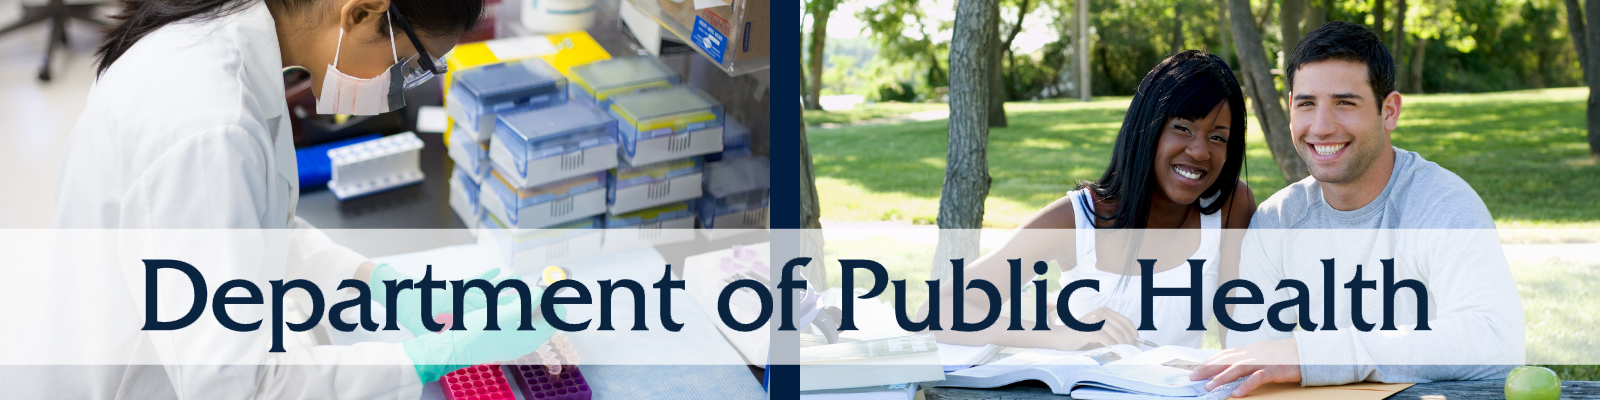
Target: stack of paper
864, 364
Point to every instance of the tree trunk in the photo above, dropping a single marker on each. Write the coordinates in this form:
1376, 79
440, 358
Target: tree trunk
819, 37
1227, 43
1399, 41
1316, 15
997, 75
1416, 64
966, 172
1289, 24
1577, 31
811, 218
1378, 12
1258, 84
1177, 27
1592, 73
1082, 40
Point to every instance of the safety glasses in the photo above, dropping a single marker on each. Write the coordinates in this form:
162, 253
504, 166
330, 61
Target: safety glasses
420, 67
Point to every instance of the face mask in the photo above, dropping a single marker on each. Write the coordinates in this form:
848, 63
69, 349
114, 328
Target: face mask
345, 94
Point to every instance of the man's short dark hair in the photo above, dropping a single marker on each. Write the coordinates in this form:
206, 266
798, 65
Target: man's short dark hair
1344, 41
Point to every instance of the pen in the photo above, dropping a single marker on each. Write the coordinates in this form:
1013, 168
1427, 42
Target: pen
1148, 343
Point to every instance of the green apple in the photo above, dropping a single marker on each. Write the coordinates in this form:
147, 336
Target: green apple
1533, 383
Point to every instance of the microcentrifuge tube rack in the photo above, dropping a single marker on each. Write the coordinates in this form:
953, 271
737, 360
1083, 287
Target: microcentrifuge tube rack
376, 165
551, 373
478, 382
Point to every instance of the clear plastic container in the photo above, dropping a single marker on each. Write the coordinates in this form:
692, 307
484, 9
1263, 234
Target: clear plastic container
651, 114
634, 188
735, 141
549, 144
514, 85
548, 204
735, 185
600, 80
659, 213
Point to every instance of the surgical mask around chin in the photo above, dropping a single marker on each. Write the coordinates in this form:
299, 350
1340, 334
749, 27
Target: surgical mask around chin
345, 94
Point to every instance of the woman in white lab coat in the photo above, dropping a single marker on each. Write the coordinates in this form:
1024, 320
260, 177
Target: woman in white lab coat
186, 128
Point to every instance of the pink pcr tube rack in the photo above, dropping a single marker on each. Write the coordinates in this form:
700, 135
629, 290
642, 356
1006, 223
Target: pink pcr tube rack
478, 382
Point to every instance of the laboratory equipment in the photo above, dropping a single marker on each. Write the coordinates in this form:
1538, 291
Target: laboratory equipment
478, 94
530, 249
635, 188
736, 194
469, 155
545, 145
545, 205
376, 165
735, 141
315, 166
666, 124
597, 82
554, 16
464, 198
551, 373
654, 226
477, 382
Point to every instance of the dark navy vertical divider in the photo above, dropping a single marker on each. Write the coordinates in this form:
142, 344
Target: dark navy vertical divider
784, 380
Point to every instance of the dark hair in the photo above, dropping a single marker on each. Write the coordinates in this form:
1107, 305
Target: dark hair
140, 17
1344, 41
1187, 85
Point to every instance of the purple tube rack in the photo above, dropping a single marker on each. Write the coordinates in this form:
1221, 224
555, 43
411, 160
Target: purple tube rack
537, 383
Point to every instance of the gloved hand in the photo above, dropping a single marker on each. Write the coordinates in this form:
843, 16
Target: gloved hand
409, 312
435, 355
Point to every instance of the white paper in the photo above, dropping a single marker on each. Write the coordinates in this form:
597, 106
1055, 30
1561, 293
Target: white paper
521, 47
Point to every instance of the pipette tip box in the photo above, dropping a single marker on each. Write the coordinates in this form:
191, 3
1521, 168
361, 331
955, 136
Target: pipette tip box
736, 193
374, 166
664, 224
599, 81
470, 156
660, 125
477, 95
545, 145
478, 382
545, 205
735, 141
633, 188
531, 249
464, 198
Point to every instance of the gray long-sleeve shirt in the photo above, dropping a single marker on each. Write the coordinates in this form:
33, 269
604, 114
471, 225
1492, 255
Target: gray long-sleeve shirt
1437, 231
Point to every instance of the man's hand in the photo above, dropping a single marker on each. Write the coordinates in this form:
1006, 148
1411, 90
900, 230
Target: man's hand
1263, 363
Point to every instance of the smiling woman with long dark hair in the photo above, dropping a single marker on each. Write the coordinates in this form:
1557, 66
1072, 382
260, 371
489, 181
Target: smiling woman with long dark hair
1172, 181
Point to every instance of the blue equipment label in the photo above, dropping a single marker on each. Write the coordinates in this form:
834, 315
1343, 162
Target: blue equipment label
708, 38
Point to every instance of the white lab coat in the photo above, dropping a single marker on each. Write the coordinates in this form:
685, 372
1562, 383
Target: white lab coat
188, 130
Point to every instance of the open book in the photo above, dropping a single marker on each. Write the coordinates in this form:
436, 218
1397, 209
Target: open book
1108, 373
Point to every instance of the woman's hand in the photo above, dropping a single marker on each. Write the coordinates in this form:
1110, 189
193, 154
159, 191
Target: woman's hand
1116, 329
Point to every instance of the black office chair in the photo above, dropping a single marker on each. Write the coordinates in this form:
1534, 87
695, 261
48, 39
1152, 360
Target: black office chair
57, 12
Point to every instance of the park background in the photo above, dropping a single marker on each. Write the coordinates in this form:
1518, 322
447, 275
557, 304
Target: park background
967, 114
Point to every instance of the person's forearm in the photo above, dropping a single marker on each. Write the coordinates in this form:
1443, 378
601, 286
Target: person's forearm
364, 272
995, 334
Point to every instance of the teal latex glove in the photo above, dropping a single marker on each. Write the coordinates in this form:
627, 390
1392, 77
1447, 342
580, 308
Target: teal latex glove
435, 355
409, 312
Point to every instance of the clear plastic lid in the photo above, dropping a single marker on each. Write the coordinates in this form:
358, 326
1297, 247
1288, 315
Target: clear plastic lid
736, 184
659, 213
627, 175
649, 114
510, 85
547, 192
529, 238
603, 79
552, 131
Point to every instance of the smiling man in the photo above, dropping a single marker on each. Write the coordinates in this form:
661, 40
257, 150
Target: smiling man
1386, 204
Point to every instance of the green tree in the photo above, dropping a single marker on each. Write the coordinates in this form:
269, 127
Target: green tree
819, 10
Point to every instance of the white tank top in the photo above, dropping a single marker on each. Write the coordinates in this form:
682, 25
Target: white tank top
1171, 314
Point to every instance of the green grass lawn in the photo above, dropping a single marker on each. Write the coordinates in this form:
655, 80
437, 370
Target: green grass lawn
1524, 152
868, 111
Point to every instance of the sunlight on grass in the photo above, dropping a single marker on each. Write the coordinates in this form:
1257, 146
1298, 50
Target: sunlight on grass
1524, 152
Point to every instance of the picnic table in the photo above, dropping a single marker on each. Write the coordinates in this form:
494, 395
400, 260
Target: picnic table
1453, 390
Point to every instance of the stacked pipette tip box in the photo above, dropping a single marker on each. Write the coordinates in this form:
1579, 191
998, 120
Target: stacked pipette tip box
374, 166
478, 382
551, 373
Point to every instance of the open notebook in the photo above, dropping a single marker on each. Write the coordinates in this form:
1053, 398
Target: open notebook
1114, 372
